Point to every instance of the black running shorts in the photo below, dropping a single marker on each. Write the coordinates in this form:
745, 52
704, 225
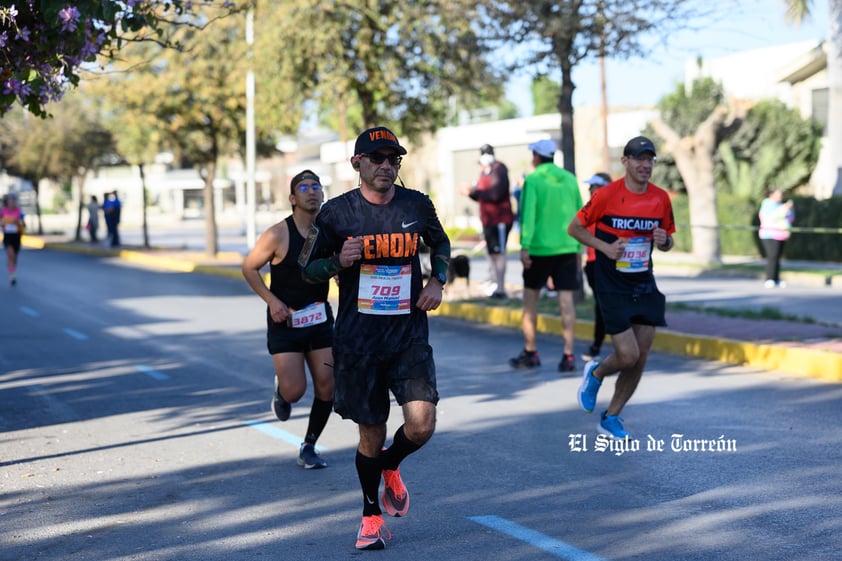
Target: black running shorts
620, 311
562, 268
283, 339
362, 382
496, 237
13, 241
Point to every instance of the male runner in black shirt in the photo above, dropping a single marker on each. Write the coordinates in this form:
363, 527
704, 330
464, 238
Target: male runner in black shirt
369, 237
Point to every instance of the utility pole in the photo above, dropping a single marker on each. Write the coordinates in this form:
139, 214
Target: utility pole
251, 191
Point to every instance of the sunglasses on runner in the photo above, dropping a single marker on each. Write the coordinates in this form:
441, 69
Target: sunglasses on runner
378, 158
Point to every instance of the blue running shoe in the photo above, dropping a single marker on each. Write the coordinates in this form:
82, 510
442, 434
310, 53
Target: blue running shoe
612, 425
589, 388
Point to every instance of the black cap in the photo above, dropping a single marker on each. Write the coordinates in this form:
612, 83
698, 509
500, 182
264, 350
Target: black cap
637, 146
376, 138
486, 149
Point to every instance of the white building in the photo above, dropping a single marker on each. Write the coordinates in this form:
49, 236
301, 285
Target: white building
795, 73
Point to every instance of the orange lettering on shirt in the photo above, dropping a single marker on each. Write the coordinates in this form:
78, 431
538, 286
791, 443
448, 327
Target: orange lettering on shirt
379, 246
368, 247
383, 245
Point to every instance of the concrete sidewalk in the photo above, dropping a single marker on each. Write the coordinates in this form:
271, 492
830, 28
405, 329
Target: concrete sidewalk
810, 347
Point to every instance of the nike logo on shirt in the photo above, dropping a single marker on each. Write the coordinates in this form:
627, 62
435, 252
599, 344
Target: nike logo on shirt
407, 225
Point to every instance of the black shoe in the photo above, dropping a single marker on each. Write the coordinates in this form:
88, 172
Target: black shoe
525, 359
308, 458
280, 407
567, 364
499, 295
592, 354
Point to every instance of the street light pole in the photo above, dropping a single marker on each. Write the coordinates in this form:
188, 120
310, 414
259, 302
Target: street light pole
251, 207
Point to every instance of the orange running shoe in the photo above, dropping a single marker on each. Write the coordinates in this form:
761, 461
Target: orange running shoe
395, 497
373, 533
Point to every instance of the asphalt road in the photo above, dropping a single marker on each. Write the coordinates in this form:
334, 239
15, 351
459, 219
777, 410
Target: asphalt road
134, 425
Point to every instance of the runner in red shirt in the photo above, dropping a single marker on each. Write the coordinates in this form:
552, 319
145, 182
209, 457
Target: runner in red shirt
632, 216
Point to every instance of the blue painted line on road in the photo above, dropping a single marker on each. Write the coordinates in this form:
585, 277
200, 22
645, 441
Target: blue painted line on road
280, 434
536, 539
75, 334
29, 311
151, 372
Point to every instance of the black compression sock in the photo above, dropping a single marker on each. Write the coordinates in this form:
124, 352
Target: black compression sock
319, 415
368, 470
401, 448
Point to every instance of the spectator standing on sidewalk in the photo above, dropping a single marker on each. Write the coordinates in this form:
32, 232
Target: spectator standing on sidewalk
111, 209
596, 181
776, 218
93, 219
299, 318
632, 217
491, 190
550, 199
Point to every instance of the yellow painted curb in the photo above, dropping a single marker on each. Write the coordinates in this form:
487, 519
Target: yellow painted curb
812, 363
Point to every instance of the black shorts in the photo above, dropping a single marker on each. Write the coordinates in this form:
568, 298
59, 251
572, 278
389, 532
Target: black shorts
13, 241
563, 269
622, 310
496, 237
283, 339
362, 382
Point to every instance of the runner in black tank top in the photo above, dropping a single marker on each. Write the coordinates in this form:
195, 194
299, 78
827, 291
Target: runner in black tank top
286, 280
298, 315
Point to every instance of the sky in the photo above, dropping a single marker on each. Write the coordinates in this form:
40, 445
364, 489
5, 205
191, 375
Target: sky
750, 24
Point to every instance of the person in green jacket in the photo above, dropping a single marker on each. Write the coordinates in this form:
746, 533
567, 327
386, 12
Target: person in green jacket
549, 201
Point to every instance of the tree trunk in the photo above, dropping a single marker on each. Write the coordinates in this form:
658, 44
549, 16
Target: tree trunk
211, 242
565, 108
697, 173
834, 76
145, 222
694, 160
80, 192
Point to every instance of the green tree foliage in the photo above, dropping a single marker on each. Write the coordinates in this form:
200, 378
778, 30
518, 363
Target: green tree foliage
683, 111
43, 44
773, 148
401, 63
686, 110
557, 36
63, 149
190, 100
692, 124
544, 95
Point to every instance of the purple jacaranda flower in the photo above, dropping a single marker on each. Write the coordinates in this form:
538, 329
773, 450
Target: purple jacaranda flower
69, 18
89, 49
3, 38
23, 34
26, 90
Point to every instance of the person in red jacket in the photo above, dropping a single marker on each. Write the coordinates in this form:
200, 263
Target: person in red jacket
491, 190
596, 181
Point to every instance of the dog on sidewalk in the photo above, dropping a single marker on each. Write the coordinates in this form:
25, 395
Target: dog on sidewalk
460, 267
